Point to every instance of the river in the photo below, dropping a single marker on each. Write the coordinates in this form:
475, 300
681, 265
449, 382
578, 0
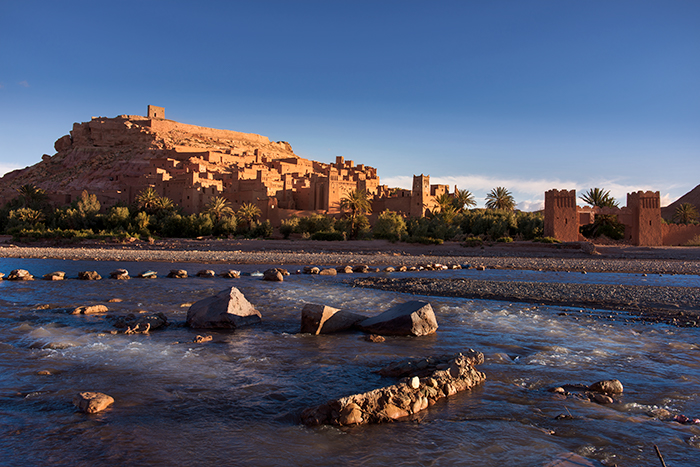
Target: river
236, 400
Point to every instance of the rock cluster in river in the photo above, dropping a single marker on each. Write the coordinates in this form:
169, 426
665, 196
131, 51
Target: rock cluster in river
425, 381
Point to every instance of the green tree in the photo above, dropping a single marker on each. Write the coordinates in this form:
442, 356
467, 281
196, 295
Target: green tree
147, 200
248, 213
219, 207
357, 203
685, 213
163, 205
390, 225
118, 217
26, 218
600, 198
500, 198
88, 205
32, 197
463, 199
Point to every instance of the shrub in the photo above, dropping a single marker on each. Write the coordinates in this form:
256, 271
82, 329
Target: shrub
505, 240
473, 241
546, 240
289, 226
390, 225
315, 223
328, 236
425, 240
262, 230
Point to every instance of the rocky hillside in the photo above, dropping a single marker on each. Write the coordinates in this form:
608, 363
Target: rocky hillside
692, 197
104, 153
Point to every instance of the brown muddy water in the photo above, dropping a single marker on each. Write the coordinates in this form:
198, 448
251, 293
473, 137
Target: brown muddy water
236, 400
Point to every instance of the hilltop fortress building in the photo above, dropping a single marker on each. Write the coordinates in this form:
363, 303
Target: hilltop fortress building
117, 158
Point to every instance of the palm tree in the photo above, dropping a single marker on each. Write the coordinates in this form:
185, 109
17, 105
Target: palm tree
147, 199
357, 202
219, 207
500, 198
164, 204
600, 198
31, 196
445, 201
249, 213
685, 213
464, 199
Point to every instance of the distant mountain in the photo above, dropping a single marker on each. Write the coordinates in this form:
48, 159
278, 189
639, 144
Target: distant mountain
692, 197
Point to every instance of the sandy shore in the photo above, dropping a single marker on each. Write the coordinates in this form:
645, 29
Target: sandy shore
673, 305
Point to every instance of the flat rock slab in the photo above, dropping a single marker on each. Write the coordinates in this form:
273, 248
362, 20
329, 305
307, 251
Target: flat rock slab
414, 318
89, 310
321, 319
447, 376
228, 309
92, 402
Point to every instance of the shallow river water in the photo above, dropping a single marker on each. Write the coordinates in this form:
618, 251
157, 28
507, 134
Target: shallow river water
236, 400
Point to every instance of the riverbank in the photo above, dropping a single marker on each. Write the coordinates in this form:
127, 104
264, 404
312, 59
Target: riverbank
517, 255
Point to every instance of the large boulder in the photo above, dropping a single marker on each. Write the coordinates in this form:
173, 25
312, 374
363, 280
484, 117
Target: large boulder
228, 309
230, 274
414, 318
321, 319
273, 275
177, 274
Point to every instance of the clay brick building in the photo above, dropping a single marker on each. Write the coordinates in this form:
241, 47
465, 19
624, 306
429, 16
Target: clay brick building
641, 218
116, 158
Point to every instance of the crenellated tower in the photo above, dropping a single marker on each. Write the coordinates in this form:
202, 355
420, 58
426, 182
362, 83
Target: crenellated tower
560, 215
645, 228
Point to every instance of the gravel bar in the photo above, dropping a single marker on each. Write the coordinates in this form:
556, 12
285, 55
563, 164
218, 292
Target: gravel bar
673, 305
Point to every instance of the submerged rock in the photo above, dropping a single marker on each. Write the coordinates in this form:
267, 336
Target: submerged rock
119, 274
414, 394
414, 318
20, 275
228, 309
609, 387
321, 319
177, 274
230, 274
140, 322
92, 402
55, 276
89, 276
90, 310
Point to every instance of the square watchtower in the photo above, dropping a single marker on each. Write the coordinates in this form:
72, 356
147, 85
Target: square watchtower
155, 112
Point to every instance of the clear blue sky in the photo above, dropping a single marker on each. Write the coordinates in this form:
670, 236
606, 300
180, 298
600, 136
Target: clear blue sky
530, 95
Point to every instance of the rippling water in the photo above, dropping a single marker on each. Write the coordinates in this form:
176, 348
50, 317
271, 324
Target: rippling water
237, 400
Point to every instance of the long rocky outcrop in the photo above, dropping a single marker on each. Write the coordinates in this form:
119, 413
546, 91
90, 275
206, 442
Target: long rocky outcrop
425, 381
